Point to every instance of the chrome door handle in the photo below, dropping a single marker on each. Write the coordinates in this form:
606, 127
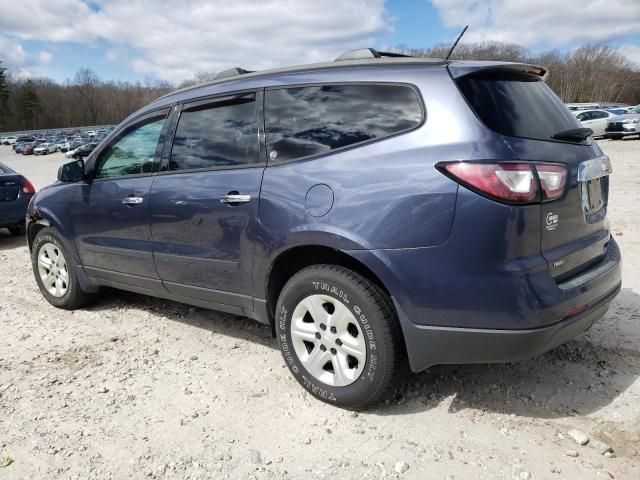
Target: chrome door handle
132, 200
235, 198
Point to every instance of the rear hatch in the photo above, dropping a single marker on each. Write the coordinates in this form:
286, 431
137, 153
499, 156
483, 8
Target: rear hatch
514, 101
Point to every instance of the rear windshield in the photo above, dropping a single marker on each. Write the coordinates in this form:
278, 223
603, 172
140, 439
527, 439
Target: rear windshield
517, 105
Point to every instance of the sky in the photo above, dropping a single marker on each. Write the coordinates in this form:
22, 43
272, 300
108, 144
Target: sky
171, 40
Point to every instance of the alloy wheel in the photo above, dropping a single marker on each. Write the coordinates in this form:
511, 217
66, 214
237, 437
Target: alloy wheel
53, 271
328, 340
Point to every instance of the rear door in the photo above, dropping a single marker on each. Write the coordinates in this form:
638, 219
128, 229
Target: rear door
204, 204
520, 106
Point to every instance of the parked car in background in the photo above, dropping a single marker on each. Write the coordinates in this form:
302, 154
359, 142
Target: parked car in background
75, 146
596, 120
27, 148
15, 194
63, 146
83, 150
10, 140
25, 138
17, 147
373, 211
617, 111
626, 125
45, 148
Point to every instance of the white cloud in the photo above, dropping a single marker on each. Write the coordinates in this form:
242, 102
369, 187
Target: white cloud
12, 53
176, 38
45, 57
558, 23
632, 52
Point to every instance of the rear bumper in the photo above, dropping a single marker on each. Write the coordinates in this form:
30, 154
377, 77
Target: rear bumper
429, 346
449, 318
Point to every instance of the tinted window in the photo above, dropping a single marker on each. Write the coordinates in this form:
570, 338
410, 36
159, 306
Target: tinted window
599, 114
133, 151
218, 135
517, 105
313, 120
583, 116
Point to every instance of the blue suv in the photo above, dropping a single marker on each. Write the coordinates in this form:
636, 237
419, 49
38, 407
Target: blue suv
376, 211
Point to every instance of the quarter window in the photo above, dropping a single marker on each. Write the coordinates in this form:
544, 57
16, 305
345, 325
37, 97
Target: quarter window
304, 121
133, 152
223, 134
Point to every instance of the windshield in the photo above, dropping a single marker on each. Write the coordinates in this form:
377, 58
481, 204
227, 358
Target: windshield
517, 105
635, 109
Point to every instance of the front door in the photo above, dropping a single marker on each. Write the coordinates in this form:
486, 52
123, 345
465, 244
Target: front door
111, 217
204, 204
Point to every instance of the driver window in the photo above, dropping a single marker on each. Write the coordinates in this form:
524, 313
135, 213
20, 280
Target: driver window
133, 152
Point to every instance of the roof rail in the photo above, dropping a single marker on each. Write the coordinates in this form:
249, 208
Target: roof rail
231, 72
364, 53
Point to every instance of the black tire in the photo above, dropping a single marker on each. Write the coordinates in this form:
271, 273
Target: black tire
372, 309
74, 297
17, 230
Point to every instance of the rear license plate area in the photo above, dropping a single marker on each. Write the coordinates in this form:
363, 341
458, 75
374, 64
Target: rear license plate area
592, 176
591, 195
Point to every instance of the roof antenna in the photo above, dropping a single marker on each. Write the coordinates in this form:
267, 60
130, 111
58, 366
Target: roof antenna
456, 42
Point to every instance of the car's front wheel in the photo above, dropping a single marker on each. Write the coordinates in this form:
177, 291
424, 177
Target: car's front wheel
339, 336
55, 272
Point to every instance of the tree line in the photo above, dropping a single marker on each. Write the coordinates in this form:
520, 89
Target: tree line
592, 73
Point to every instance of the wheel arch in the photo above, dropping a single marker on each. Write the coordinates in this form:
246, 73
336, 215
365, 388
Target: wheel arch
294, 259
34, 227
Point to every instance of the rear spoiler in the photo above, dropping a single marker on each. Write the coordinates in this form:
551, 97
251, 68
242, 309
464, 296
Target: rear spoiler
462, 68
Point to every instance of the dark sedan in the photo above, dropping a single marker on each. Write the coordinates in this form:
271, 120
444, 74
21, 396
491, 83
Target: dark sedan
15, 195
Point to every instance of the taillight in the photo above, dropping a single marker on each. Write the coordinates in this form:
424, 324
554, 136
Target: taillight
553, 178
27, 187
509, 182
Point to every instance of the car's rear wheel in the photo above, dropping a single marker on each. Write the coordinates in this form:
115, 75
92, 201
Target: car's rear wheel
55, 272
339, 336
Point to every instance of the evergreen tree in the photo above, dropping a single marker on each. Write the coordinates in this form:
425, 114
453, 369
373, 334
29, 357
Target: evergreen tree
29, 104
4, 99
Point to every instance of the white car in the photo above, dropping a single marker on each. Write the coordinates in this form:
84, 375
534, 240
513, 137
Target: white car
70, 152
10, 140
596, 120
63, 146
45, 148
621, 126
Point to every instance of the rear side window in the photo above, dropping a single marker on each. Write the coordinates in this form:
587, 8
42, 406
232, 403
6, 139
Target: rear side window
305, 121
216, 135
517, 105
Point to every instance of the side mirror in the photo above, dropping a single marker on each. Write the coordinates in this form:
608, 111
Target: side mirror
71, 172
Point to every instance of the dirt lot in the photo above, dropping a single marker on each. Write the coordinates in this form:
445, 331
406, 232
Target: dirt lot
135, 387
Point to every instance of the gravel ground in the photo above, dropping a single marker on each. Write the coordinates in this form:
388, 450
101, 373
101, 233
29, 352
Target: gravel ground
136, 387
